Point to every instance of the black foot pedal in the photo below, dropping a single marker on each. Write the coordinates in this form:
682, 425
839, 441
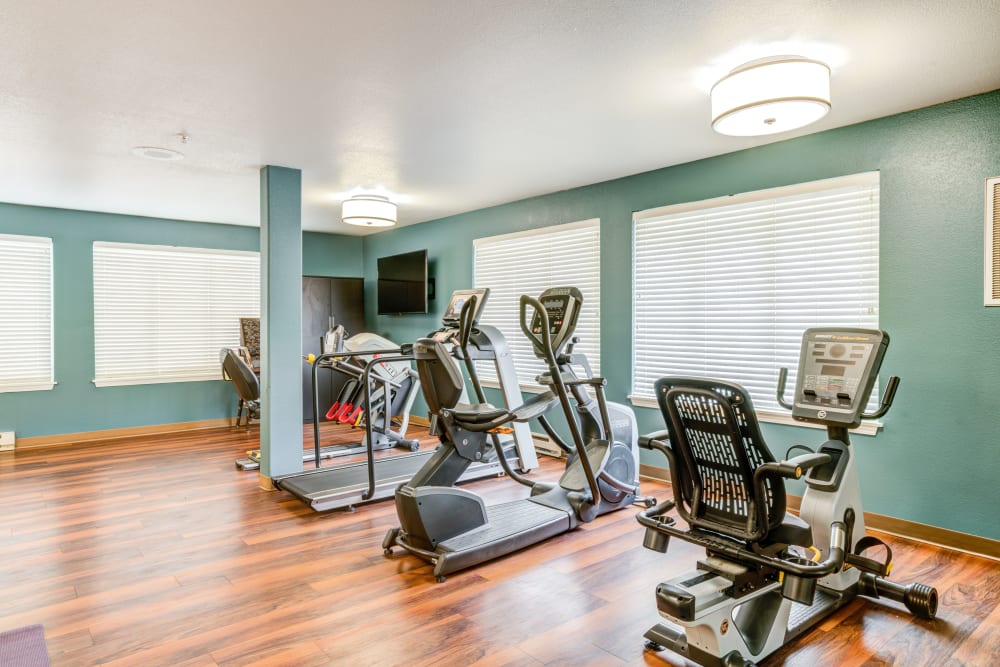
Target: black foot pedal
878, 568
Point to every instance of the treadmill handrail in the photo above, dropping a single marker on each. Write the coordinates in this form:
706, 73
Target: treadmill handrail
364, 376
370, 450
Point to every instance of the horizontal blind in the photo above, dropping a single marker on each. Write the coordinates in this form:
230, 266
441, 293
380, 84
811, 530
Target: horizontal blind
25, 313
161, 313
992, 242
726, 291
528, 263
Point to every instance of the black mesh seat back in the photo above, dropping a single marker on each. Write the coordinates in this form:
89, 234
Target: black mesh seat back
718, 445
440, 380
244, 379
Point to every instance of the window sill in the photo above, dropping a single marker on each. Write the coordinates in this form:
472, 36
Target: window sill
12, 389
127, 382
770, 417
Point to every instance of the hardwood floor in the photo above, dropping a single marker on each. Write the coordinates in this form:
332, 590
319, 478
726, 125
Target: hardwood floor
157, 551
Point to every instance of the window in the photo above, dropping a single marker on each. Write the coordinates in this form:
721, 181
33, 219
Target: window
528, 263
25, 313
724, 288
161, 314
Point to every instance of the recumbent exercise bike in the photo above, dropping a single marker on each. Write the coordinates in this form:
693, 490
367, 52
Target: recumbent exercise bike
757, 589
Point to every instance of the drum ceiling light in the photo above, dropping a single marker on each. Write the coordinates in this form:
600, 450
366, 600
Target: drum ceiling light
771, 95
368, 211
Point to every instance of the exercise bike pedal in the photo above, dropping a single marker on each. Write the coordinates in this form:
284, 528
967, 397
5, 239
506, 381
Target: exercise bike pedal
870, 565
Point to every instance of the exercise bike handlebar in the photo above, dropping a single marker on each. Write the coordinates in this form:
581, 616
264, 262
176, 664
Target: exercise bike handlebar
887, 398
782, 378
886, 403
654, 519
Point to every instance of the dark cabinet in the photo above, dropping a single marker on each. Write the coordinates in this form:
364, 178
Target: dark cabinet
343, 299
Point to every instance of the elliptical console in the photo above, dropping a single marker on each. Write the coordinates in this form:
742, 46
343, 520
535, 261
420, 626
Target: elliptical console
562, 308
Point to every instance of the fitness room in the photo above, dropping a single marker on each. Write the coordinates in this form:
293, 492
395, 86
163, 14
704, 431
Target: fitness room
691, 311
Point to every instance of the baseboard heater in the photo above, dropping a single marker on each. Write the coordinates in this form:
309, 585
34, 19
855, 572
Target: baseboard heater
544, 445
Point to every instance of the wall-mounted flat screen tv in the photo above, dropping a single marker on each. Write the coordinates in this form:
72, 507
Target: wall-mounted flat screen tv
402, 283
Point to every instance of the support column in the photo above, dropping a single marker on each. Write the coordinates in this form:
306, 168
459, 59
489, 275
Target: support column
281, 322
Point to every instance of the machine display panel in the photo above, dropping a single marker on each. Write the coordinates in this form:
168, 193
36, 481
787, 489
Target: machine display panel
837, 371
453, 312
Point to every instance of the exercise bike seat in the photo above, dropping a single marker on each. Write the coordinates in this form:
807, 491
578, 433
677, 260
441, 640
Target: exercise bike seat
485, 417
791, 530
476, 414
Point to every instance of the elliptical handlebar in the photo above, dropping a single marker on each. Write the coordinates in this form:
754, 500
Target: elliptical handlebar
544, 336
465, 322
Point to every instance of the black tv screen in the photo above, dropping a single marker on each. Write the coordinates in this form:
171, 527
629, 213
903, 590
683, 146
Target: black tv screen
402, 283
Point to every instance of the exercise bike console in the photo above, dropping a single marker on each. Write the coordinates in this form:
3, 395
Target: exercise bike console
837, 370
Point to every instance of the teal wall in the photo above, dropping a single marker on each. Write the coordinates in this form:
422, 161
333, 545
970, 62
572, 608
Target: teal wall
936, 461
75, 404
332, 255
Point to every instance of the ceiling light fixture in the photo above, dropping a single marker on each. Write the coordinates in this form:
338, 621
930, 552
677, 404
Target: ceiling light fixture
368, 210
771, 95
157, 153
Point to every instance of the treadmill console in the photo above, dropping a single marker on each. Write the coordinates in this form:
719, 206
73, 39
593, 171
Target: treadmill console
837, 370
452, 317
562, 305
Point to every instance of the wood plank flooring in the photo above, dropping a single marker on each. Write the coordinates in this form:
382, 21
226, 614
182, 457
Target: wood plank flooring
157, 551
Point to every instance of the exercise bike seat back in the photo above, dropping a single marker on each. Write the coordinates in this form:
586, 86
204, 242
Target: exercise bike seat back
440, 380
718, 448
245, 382
442, 384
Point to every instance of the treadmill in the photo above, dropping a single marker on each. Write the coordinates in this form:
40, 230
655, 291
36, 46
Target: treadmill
345, 485
396, 386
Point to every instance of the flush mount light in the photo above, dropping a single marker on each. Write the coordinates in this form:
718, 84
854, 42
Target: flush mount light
368, 211
157, 153
771, 95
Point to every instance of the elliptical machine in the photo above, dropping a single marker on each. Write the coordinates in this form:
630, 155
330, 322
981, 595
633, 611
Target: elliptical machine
757, 589
453, 528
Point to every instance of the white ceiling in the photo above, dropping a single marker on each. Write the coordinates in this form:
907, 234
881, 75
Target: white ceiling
449, 105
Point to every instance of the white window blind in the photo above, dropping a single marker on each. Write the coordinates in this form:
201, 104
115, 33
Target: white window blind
162, 313
992, 243
528, 263
724, 288
25, 313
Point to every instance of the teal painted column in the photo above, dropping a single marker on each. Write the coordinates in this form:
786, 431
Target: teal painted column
281, 322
